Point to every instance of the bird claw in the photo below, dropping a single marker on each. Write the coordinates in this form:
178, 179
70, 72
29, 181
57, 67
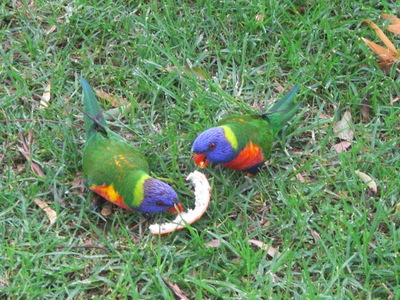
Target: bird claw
97, 202
147, 216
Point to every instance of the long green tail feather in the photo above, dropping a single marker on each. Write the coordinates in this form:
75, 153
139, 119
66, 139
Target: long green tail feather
92, 109
283, 110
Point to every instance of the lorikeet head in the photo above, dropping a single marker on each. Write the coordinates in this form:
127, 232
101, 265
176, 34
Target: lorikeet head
212, 146
158, 197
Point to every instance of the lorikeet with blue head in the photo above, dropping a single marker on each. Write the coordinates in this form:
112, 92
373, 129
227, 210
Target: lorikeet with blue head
244, 142
117, 171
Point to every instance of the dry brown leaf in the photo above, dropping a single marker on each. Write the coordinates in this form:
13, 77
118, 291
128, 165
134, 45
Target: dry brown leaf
197, 72
395, 100
44, 101
51, 29
200, 73
395, 23
368, 180
78, 183
3, 283
279, 88
394, 20
260, 18
300, 177
20, 4
175, 289
342, 146
365, 109
397, 208
343, 127
386, 55
325, 116
51, 214
382, 36
315, 235
214, 243
270, 250
394, 28
114, 100
26, 152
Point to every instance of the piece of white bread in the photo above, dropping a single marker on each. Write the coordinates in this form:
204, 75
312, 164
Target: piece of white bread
202, 193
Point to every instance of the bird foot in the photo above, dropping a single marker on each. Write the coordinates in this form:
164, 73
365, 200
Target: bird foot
148, 216
97, 202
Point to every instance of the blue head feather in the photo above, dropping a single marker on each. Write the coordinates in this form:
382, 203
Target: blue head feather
158, 196
214, 145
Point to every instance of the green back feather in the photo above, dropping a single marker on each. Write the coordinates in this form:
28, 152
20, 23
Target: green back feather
91, 108
107, 157
283, 110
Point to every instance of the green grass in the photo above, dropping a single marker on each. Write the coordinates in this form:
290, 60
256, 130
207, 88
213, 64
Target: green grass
338, 239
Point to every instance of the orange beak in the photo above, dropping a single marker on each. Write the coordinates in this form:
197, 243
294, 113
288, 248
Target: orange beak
201, 160
177, 208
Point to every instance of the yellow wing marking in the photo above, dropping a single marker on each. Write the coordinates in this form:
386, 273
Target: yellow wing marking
120, 159
230, 136
138, 192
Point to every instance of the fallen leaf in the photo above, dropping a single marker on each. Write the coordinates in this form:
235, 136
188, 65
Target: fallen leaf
115, 101
260, 18
51, 214
395, 100
279, 88
387, 56
343, 128
342, 146
51, 29
315, 235
393, 19
3, 283
175, 289
20, 4
214, 243
26, 152
394, 28
300, 177
199, 73
368, 180
395, 23
365, 109
397, 208
78, 183
274, 277
270, 250
325, 116
382, 36
45, 99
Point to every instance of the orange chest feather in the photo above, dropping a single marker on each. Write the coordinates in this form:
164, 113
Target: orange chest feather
109, 193
250, 156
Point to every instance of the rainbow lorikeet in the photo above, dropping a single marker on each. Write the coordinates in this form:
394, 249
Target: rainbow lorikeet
117, 171
244, 142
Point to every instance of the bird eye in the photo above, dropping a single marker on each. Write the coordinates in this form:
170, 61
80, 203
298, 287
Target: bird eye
212, 146
159, 203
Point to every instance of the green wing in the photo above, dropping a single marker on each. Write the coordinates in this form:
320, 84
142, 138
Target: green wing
249, 128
